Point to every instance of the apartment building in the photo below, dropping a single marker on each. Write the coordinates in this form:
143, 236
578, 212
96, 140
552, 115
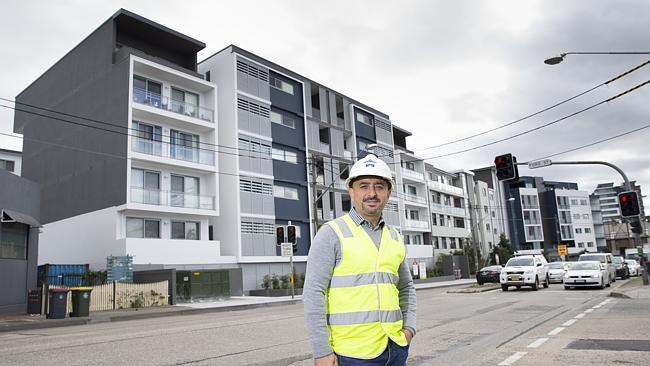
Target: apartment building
11, 153
136, 170
488, 209
545, 214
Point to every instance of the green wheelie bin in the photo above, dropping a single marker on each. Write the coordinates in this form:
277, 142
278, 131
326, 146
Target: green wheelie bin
80, 301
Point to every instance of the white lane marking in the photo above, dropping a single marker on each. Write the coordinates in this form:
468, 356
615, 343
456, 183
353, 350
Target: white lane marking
579, 316
596, 306
588, 311
569, 322
537, 343
556, 331
607, 301
512, 359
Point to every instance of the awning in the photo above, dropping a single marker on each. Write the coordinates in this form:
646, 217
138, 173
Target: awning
13, 216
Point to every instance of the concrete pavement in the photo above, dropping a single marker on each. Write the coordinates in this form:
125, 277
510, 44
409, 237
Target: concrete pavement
26, 322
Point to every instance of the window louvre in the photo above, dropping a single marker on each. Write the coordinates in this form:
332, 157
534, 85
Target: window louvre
248, 227
246, 185
253, 108
252, 71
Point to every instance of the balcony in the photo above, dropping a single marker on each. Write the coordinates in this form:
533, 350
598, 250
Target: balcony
455, 232
415, 199
167, 150
165, 103
416, 224
158, 197
412, 174
454, 211
441, 187
173, 251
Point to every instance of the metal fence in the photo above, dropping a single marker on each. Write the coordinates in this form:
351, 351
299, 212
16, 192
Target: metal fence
117, 295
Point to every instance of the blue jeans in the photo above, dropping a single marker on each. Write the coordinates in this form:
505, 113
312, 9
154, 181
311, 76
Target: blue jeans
394, 355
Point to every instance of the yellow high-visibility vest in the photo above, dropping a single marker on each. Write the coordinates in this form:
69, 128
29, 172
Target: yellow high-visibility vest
362, 300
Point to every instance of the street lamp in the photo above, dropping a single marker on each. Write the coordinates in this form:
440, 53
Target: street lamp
557, 59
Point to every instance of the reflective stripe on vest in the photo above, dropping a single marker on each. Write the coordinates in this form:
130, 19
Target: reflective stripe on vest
362, 300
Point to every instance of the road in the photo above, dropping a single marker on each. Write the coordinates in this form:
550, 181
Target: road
519, 327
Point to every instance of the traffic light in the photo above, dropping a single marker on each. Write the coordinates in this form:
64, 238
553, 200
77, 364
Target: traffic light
279, 235
291, 234
636, 226
506, 167
629, 204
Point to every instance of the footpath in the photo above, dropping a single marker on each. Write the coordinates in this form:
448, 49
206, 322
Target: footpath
20, 322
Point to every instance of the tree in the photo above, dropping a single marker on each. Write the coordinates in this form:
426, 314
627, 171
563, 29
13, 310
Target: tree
503, 249
469, 250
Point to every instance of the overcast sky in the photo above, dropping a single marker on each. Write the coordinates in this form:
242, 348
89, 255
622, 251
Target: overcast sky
443, 70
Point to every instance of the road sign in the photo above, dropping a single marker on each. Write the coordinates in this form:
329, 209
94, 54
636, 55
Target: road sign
562, 250
539, 163
286, 249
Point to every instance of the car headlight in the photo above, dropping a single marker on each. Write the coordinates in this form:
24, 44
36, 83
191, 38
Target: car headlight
595, 276
566, 275
529, 271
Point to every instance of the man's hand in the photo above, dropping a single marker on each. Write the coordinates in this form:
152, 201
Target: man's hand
408, 335
329, 360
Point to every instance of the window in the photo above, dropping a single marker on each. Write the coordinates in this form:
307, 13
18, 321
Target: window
495, 231
147, 91
407, 239
442, 220
411, 190
533, 233
484, 192
184, 102
279, 84
146, 138
587, 230
452, 244
253, 148
284, 155
434, 219
145, 186
487, 226
188, 230
142, 228
364, 118
574, 202
563, 202
7, 165
567, 232
590, 244
586, 216
494, 214
184, 146
583, 202
578, 230
185, 191
13, 240
460, 222
207, 76
417, 239
285, 192
485, 209
414, 214
531, 217
576, 216
581, 245
408, 165
283, 120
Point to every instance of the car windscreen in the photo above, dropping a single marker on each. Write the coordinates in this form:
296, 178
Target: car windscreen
631, 262
584, 266
600, 258
520, 262
556, 265
617, 260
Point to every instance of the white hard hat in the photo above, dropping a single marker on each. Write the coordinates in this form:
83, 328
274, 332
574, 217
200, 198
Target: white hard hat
370, 165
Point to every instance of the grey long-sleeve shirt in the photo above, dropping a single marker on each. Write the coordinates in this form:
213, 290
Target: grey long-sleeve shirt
324, 255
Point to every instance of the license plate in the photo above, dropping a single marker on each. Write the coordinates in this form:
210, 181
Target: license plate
516, 278
580, 281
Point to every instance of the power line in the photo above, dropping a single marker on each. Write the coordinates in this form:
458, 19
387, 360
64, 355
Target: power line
541, 126
540, 111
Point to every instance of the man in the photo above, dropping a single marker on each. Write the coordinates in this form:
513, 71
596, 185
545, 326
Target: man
359, 297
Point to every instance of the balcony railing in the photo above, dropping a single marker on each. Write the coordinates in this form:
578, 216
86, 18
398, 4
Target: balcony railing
417, 199
165, 103
167, 150
408, 173
417, 224
445, 188
456, 211
172, 199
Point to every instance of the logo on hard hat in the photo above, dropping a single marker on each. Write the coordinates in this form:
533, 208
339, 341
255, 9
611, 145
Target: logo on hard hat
370, 163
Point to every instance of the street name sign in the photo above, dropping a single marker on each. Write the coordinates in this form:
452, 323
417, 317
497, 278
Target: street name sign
539, 163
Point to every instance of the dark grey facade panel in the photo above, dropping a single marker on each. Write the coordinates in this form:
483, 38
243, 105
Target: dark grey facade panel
289, 209
17, 276
288, 102
366, 132
294, 137
290, 172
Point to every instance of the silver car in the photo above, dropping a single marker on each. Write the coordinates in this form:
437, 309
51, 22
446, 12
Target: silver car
556, 271
586, 274
634, 267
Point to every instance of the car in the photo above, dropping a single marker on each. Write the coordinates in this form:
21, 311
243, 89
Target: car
605, 259
525, 270
622, 270
586, 274
634, 267
556, 271
488, 274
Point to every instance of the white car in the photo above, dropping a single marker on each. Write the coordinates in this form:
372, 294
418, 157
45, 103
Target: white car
634, 267
585, 274
556, 271
525, 270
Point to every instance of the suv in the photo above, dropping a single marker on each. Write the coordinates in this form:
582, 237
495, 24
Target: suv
525, 270
622, 270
